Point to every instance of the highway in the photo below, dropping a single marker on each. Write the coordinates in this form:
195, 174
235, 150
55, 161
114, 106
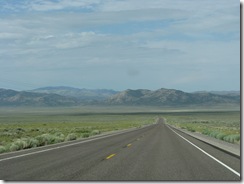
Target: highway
155, 153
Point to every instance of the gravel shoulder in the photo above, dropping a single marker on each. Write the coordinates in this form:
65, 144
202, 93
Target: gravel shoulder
228, 147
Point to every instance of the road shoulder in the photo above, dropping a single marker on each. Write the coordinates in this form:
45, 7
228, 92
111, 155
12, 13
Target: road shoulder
228, 147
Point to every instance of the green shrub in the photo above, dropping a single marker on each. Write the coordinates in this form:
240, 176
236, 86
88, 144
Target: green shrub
232, 138
2, 149
22, 144
59, 139
79, 130
7, 134
42, 140
71, 137
20, 129
59, 134
32, 142
213, 134
53, 130
95, 132
190, 129
237, 137
221, 136
14, 147
229, 138
34, 130
206, 132
204, 122
46, 139
84, 135
25, 143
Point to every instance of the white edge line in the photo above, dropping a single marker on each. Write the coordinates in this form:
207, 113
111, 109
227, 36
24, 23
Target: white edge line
226, 166
50, 149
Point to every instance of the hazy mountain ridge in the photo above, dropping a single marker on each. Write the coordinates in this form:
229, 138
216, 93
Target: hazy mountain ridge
66, 96
81, 94
229, 93
22, 98
169, 97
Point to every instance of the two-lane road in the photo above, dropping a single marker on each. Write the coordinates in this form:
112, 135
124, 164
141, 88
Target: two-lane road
155, 152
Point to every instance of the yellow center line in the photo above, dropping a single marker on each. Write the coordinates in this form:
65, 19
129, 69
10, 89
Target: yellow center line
110, 156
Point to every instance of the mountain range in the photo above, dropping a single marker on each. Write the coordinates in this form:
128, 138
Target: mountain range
22, 98
67, 96
81, 94
169, 97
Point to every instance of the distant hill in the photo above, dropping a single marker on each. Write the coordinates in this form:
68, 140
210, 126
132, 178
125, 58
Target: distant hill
169, 97
81, 94
22, 98
229, 93
66, 96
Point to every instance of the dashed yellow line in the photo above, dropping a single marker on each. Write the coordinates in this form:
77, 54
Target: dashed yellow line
110, 156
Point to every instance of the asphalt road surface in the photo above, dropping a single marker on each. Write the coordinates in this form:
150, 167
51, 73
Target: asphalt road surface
156, 152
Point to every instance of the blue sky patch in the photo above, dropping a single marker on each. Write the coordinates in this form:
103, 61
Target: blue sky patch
179, 44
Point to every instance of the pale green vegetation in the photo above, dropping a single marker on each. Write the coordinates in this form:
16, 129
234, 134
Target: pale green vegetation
33, 127
223, 125
27, 129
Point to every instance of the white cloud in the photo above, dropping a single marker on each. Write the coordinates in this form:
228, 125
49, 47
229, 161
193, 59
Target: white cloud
39, 5
5, 35
72, 40
186, 5
192, 40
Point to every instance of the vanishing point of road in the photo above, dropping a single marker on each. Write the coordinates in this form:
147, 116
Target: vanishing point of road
156, 153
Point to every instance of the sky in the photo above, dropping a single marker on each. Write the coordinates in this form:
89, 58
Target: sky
120, 44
